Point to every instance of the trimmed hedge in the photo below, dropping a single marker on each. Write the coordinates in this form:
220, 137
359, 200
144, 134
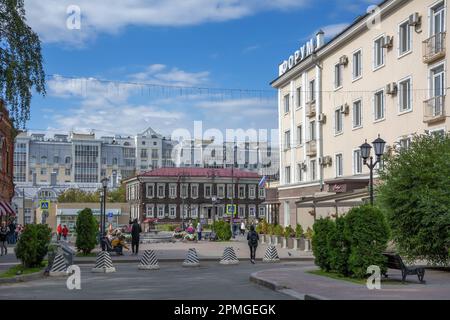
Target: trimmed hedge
33, 244
87, 231
339, 247
223, 230
323, 228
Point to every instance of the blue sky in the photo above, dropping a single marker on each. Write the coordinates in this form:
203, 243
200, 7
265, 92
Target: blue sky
196, 43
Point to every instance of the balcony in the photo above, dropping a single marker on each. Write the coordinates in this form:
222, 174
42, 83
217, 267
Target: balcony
434, 48
311, 148
311, 109
434, 110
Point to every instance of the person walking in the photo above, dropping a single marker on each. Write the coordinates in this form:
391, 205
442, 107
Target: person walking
3, 238
252, 238
135, 236
65, 232
12, 232
199, 231
58, 232
243, 228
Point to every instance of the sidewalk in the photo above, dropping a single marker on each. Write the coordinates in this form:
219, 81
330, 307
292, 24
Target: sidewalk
299, 284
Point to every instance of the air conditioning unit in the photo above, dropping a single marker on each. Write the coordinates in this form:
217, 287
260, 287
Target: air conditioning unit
343, 60
303, 166
415, 19
388, 42
392, 89
345, 109
325, 161
322, 118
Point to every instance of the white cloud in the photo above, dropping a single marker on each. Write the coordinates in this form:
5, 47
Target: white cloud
162, 75
48, 17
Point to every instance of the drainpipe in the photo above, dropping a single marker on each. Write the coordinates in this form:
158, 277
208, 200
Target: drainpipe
318, 124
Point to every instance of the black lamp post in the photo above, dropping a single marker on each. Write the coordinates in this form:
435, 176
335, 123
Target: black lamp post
104, 182
366, 148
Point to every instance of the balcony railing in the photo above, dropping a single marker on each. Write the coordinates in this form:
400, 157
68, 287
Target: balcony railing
434, 109
311, 109
434, 48
311, 148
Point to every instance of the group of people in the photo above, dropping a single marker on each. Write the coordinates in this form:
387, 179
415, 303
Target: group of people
9, 234
62, 231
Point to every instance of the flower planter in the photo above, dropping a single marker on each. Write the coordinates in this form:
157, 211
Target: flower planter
284, 243
307, 245
299, 244
290, 243
274, 240
262, 237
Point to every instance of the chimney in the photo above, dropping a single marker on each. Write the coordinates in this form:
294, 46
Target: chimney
320, 38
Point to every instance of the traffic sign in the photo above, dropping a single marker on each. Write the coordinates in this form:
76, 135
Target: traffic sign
110, 216
231, 209
44, 204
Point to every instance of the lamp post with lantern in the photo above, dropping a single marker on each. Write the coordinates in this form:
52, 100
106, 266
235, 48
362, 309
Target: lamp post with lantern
378, 145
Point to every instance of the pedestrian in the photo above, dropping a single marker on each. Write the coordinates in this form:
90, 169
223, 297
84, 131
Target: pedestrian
199, 231
12, 232
65, 232
253, 239
135, 235
58, 232
3, 238
243, 228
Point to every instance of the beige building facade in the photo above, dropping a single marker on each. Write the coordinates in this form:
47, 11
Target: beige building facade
384, 75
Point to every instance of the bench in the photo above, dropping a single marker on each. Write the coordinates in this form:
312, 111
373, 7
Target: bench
394, 261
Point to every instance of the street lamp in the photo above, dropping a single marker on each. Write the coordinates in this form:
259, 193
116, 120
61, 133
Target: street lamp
366, 148
104, 182
214, 202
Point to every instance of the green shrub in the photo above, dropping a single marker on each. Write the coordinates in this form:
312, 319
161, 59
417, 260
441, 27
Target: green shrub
261, 228
87, 231
278, 230
309, 233
298, 231
323, 228
270, 229
339, 247
33, 245
289, 232
223, 230
368, 235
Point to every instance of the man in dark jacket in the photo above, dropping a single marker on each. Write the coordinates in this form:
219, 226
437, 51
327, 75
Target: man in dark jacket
252, 238
3, 235
135, 231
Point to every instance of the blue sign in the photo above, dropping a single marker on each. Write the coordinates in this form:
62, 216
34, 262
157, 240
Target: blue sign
45, 204
110, 215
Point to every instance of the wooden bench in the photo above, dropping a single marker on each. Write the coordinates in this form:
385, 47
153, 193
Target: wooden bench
394, 261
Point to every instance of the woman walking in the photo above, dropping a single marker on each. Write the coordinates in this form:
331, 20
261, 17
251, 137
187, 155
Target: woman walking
4, 230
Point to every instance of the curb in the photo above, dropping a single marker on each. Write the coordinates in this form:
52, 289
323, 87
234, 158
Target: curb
216, 259
23, 278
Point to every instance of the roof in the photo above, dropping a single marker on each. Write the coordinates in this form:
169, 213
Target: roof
200, 172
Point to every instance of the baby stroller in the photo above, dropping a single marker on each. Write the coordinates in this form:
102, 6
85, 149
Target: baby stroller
115, 242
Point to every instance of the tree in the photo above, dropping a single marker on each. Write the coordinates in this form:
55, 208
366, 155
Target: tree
415, 195
117, 195
33, 244
87, 230
339, 247
20, 61
79, 196
321, 243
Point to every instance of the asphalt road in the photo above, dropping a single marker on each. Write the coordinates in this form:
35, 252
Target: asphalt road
210, 281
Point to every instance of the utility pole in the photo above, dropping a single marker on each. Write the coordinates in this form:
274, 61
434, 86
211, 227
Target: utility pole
23, 206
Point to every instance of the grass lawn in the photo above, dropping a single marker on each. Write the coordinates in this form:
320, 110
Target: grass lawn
12, 272
337, 276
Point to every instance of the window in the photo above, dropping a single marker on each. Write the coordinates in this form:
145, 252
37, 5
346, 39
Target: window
67, 172
287, 173
338, 76
150, 211
184, 191
299, 97
172, 211
312, 90
252, 191
313, 174
357, 65
241, 192
286, 103
150, 190
339, 166
338, 121
43, 171
287, 140
161, 211
312, 131
357, 114
230, 191
262, 193
155, 154
357, 162
154, 164
194, 211
161, 191
438, 20
262, 211
221, 191
299, 172
173, 191
43, 160
241, 211
114, 162
405, 143
378, 57
55, 159
438, 82
144, 153
299, 135
405, 97
252, 211
208, 190
194, 191
379, 105
404, 35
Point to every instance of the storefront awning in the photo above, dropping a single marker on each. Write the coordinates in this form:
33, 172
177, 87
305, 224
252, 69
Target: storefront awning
6, 209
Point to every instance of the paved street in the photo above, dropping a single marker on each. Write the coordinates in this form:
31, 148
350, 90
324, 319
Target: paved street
209, 281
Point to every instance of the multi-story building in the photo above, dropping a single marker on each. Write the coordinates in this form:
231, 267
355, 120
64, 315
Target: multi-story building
6, 163
383, 75
173, 194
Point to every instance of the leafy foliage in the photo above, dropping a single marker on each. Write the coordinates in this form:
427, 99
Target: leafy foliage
80, 196
339, 247
367, 232
323, 228
33, 245
87, 231
20, 61
415, 195
289, 232
223, 230
278, 230
298, 231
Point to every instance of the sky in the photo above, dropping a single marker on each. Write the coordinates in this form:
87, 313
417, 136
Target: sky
218, 44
